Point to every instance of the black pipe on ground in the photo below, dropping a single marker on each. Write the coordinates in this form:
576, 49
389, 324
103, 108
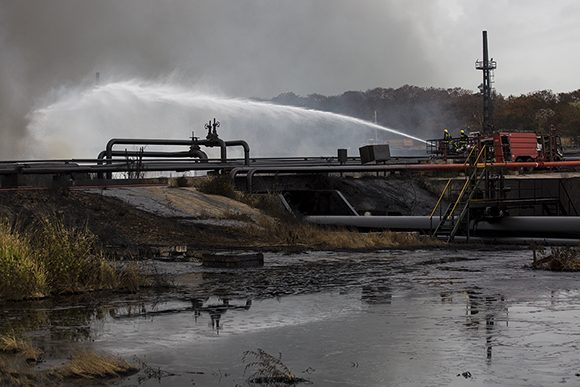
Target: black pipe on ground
509, 226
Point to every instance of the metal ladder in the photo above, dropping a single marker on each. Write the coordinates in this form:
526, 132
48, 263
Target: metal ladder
451, 219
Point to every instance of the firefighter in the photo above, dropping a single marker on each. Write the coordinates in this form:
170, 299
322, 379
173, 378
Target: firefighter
446, 135
463, 141
447, 140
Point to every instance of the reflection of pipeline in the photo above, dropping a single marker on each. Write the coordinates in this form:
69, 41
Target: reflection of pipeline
512, 226
196, 307
495, 310
215, 311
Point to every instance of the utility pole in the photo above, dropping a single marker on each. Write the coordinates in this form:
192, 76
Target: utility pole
486, 66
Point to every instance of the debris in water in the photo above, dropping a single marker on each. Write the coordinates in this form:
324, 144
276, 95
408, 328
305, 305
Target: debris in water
268, 369
559, 259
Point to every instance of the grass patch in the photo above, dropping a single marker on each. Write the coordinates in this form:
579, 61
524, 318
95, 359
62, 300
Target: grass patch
268, 369
181, 181
218, 185
268, 203
11, 344
558, 259
90, 365
21, 273
51, 259
72, 259
313, 236
21, 376
131, 279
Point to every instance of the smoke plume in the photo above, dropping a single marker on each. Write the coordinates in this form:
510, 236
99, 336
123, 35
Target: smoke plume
243, 48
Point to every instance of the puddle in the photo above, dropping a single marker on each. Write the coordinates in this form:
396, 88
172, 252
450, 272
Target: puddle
350, 319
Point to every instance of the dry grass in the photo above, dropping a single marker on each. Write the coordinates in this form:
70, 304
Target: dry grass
90, 365
181, 181
15, 369
14, 345
287, 231
218, 185
21, 275
268, 369
52, 258
15, 376
72, 259
131, 279
559, 259
222, 185
312, 236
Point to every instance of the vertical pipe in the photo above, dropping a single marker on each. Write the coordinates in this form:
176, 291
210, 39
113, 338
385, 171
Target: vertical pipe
487, 125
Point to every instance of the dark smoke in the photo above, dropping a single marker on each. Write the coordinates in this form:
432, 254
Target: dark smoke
242, 48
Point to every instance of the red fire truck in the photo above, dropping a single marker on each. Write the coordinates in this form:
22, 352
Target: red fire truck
501, 146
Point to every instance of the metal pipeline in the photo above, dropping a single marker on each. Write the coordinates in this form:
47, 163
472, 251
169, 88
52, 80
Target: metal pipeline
399, 223
244, 145
141, 141
529, 226
196, 153
252, 171
114, 166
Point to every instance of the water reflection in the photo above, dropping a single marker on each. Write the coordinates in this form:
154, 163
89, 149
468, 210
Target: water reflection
377, 294
70, 319
49, 321
214, 307
489, 308
216, 310
419, 326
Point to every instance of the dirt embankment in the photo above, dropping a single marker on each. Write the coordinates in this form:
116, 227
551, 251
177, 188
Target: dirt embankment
136, 219
152, 221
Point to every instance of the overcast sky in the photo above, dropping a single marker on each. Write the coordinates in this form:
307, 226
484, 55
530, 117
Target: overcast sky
264, 47
260, 48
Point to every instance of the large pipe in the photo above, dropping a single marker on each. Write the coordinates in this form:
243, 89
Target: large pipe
252, 171
244, 145
141, 141
399, 223
530, 226
115, 166
196, 153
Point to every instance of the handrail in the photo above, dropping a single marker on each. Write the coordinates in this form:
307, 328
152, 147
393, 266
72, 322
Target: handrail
449, 213
441, 197
449, 182
466, 184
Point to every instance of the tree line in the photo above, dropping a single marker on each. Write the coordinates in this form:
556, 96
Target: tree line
426, 111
